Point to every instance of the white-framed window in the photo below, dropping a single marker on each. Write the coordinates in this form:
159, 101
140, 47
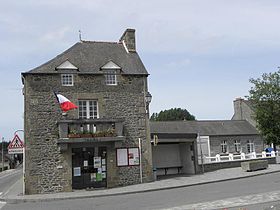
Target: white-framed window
88, 109
250, 146
237, 146
110, 77
67, 79
224, 146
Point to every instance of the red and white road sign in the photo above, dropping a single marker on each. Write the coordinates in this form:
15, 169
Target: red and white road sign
16, 146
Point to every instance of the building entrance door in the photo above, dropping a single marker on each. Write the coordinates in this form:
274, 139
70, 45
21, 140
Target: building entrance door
89, 167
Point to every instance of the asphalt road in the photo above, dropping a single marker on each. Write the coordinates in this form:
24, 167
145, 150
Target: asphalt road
207, 195
8, 178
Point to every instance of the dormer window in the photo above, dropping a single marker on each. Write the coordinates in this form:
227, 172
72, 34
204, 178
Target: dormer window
67, 69
67, 79
110, 70
110, 77
66, 65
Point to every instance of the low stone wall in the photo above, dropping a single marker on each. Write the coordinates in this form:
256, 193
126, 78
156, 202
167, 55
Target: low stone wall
254, 165
230, 164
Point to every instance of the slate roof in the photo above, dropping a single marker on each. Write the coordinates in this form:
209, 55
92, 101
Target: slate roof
205, 128
89, 56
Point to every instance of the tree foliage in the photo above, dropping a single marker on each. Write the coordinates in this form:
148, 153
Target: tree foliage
5, 146
265, 95
172, 115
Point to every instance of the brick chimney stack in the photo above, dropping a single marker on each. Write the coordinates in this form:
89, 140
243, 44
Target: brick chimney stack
128, 38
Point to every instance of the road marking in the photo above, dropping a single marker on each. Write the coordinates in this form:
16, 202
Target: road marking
232, 202
1, 193
11, 187
10, 173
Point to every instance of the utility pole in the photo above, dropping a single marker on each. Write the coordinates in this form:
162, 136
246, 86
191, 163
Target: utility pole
2, 154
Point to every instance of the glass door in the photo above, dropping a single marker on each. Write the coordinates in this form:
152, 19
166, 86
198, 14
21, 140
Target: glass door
89, 167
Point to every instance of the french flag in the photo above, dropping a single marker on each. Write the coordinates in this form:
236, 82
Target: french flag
65, 103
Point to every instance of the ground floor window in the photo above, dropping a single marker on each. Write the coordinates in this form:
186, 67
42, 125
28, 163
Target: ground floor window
224, 146
250, 146
237, 146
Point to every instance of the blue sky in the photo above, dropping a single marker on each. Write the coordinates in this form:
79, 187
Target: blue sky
200, 54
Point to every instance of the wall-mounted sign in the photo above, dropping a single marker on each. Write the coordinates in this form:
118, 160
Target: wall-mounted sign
128, 156
133, 156
122, 159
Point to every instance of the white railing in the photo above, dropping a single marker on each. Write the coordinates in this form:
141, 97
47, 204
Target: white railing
242, 156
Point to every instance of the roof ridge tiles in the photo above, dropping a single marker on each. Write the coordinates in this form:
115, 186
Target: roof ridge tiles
108, 42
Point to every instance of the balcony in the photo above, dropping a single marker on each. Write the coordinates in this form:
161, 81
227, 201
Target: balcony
90, 130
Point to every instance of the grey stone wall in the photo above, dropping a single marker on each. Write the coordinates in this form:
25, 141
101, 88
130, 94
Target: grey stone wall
215, 143
48, 170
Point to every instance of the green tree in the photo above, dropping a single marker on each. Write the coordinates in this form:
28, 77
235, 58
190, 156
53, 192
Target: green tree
172, 115
5, 146
265, 95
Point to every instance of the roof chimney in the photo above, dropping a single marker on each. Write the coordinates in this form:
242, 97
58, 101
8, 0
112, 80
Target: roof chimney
128, 38
238, 111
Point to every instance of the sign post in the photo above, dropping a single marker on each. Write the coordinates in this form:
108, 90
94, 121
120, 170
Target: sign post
2, 154
16, 146
23, 161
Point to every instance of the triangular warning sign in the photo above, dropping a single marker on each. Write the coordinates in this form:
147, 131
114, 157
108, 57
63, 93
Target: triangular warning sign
15, 143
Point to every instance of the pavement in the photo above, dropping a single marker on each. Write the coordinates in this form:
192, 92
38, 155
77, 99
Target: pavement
15, 195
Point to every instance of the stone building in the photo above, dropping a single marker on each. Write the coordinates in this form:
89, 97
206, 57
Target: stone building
103, 143
182, 139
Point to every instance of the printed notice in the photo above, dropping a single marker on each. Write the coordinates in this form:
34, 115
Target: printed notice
122, 159
133, 156
97, 162
77, 171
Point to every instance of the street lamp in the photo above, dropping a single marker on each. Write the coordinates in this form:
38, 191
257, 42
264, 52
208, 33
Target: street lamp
148, 99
